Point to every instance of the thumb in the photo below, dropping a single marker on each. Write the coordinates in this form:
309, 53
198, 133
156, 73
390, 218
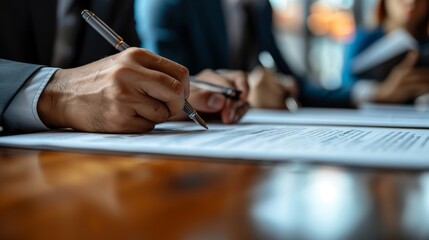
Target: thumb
206, 101
410, 60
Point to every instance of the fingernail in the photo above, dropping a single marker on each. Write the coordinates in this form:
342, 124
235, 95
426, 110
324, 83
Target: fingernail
183, 69
215, 101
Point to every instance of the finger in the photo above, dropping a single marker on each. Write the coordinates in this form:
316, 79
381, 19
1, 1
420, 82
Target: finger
239, 81
206, 101
420, 72
159, 86
410, 60
161, 64
241, 110
151, 109
414, 77
417, 89
221, 80
421, 92
213, 77
234, 111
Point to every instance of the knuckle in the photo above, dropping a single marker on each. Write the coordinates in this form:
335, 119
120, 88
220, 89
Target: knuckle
177, 88
159, 60
163, 78
134, 52
184, 72
116, 92
118, 72
150, 55
120, 93
145, 51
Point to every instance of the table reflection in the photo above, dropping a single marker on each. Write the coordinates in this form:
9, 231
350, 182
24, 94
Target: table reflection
51, 195
298, 201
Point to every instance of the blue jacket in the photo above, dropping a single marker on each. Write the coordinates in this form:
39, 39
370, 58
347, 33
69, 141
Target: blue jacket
363, 39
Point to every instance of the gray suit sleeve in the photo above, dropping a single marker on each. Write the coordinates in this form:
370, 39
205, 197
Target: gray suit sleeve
12, 76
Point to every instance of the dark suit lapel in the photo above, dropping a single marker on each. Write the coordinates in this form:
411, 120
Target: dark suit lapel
44, 18
102, 8
92, 45
212, 13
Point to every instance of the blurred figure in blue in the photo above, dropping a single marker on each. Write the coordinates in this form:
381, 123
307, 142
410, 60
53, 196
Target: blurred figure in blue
217, 34
229, 34
404, 82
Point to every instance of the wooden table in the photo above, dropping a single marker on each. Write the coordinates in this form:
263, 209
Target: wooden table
66, 195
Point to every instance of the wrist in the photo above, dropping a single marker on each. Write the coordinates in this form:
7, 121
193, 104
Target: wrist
51, 105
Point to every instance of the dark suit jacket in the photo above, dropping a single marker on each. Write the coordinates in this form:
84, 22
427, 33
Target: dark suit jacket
193, 33
27, 34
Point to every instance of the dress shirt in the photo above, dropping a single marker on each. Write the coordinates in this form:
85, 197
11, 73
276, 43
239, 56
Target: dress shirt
21, 114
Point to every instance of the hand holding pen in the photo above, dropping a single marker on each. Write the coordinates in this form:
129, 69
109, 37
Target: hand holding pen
287, 82
158, 64
128, 92
220, 94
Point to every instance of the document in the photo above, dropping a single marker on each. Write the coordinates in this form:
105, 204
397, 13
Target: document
377, 61
387, 117
356, 146
381, 57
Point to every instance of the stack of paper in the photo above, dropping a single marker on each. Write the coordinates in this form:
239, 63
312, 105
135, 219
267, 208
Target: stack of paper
256, 138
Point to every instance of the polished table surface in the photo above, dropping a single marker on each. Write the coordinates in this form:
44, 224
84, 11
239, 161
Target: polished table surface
70, 195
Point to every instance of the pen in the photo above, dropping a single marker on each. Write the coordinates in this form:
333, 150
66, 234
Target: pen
115, 40
268, 63
228, 92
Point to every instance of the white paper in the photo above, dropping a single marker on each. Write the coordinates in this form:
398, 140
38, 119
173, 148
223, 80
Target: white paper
358, 146
390, 46
387, 117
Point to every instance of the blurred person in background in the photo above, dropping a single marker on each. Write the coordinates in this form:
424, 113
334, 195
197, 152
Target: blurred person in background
230, 34
222, 35
404, 82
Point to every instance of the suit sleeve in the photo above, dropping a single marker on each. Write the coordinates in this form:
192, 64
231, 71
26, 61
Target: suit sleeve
12, 76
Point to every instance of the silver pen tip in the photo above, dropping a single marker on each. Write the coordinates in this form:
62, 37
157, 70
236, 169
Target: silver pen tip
194, 115
200, 121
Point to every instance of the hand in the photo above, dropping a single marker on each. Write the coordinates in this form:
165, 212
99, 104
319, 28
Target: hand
404, 82
125, 93
268, 91
215, 105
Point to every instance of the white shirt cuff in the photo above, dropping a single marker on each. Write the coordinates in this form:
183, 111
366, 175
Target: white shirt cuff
21, 114
363, 91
